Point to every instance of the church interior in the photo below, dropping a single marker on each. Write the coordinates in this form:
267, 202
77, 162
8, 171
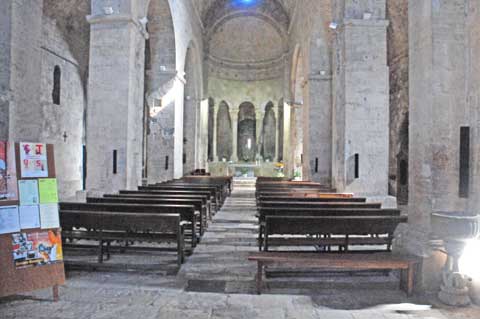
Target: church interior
240, 159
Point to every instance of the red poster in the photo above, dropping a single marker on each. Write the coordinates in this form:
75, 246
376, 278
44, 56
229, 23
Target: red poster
8, 172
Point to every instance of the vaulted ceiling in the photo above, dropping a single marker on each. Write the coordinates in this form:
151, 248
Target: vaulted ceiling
204, 6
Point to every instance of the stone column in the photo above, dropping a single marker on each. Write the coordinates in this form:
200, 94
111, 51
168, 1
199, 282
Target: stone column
21, 115
258, 133
115, 96
361, 104
234, 119
215, 113
277, 142
444, 96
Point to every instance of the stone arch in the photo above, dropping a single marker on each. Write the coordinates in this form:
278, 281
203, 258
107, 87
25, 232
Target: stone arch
162, 47
224, 132
269, 133
247, 132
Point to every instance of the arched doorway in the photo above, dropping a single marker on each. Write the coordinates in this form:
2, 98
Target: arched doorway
269, 133
247, 132
224, 132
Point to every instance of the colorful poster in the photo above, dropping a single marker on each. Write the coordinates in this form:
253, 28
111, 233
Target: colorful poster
48, 190
9, 222
29, 216
8, 172
28, 192
49, 217
33, 159
35, 249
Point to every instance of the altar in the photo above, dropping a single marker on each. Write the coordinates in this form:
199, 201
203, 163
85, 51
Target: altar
237, 169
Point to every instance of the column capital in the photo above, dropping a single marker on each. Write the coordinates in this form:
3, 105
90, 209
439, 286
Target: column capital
118, 18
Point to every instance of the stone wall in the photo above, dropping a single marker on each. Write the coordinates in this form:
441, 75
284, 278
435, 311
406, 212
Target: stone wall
62, 125
5, 66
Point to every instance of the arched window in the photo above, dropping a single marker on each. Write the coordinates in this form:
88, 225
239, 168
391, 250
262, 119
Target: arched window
57, 74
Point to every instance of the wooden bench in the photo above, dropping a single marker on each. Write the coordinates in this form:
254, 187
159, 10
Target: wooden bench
214, 195
338, 262
341, 231
158, 201
205, 200
106, 227
187, 212
317, 204
173, 192
321, 212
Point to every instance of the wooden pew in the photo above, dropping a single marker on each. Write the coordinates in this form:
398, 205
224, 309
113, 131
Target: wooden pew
225, 180
205, 200
186, 212
214, 193
338, 262
106, 227
312, 204
311, 199
174, 192
156, 201
290, 227
316, 212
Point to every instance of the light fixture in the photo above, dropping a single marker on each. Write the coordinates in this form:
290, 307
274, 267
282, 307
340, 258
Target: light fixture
333, 25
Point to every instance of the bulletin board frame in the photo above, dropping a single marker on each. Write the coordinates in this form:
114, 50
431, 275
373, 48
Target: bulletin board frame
20, 280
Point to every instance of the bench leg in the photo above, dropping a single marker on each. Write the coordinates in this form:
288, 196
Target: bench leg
55, 293
410, 274
100, 252
260, 236
259, 277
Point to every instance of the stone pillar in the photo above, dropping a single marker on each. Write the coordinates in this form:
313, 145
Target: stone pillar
215, 113
178, 136
361, 103
277, 142
234, 119
258, 133
21, 115
444, 96
115, 96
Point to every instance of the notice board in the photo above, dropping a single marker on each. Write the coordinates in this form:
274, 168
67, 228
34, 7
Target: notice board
31, 257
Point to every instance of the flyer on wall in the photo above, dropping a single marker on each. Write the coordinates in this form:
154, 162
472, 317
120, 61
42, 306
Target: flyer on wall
34, 249
33, 160
9, 220
8, 172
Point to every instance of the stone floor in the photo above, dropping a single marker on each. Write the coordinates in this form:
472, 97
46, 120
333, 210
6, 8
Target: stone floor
217, 282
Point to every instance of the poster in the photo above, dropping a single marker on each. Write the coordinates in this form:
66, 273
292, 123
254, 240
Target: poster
49, 216
29, 216
9, 222
34, 249
8, 172
47, 188
28, 192
33, 160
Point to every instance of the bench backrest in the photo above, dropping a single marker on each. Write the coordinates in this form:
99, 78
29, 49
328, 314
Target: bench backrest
262, 213
311, 199
184, 210
302, 204
202, 198
149, 201
335, 225
125, 221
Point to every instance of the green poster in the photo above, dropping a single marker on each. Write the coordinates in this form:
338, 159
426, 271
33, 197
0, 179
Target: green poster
48, 190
